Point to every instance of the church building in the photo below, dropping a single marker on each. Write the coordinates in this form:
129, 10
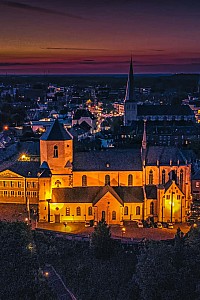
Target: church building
115, 185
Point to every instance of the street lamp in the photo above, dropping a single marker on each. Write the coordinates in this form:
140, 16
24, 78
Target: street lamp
123, 231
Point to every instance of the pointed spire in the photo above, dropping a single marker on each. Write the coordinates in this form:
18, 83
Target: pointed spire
144, 138
56, 133
130, 87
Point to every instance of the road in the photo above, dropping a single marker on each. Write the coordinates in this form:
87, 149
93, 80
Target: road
56, 283
116, 231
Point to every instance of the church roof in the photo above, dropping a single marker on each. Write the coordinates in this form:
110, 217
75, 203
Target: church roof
24, 168
104, 190
108, 160
130, 194
164, 110
151, 191
93, 194
163, 155
56, 133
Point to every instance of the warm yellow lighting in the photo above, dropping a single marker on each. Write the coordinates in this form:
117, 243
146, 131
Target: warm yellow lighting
123, 229
46, 274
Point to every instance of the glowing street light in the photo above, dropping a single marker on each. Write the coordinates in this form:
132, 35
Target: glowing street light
123, 231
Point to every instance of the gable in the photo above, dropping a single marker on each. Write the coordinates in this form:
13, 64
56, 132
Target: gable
108, 199
173, 188
8, 174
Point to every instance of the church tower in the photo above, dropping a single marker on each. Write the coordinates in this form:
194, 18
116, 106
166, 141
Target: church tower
130, 105
56, 148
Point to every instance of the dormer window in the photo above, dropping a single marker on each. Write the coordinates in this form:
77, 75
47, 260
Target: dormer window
55, 151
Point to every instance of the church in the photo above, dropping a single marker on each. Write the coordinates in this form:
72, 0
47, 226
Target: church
115, 185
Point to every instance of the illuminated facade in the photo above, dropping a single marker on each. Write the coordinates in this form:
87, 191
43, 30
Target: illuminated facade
116, 185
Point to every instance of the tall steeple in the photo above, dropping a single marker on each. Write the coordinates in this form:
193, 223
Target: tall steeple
130, 84
130, 105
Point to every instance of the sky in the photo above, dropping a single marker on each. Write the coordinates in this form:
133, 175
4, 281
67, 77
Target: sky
99, 36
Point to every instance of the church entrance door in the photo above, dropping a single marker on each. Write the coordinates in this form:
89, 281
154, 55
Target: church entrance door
57, 218
103, 215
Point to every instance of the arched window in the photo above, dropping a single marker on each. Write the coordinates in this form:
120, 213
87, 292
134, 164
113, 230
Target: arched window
90, 211
84, 180
137, 210
67, 211
55, 151
113, 215
130, 179
181, 178
78, 211
163, 176
152, 208
107, 180
125, 210
150, 177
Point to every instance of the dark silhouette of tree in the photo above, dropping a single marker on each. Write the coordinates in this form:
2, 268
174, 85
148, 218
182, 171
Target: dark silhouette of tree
101, 240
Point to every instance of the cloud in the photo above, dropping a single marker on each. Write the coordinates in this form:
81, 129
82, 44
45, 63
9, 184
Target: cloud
10, 64
74, 49
18, 5
156, 50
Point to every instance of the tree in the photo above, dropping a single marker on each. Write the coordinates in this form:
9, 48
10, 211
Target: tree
101, 240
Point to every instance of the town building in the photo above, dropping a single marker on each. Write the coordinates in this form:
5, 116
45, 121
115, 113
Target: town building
135, 112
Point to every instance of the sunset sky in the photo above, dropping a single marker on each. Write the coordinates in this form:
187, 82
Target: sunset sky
99, 36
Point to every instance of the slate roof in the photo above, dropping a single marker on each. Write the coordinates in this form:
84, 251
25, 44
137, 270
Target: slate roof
151, 191
94, 194
164, 110
117, 159
24, 168
103, 191
164, 154
130, 194
56, 133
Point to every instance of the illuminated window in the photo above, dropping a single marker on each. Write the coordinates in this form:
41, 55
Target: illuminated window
55, 151
152, 208
78, 211
137, 210
126, 210
90, 211
67, 211
150, 177
84, 180
107, 180
130, 179
197, 184
113, 215
19, 184
163, 176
